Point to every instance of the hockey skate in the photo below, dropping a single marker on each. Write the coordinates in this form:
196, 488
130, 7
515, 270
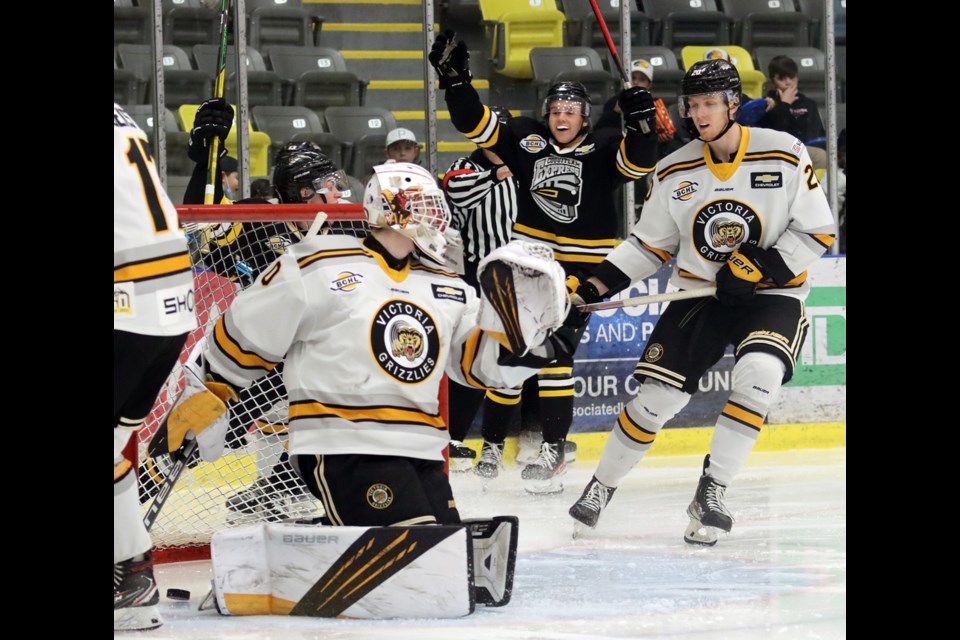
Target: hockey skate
528, 448
708, 515
135, 595
272, 499
461, 456
586, 511
491, 460
545, 474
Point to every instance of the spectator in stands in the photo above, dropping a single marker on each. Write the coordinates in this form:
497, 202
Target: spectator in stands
641, 75
261, 188
402, 146
230, 177
791, 111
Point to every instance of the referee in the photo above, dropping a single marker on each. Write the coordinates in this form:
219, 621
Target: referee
483, 200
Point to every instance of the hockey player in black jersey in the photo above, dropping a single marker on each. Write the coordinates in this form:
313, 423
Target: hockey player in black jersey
567, 176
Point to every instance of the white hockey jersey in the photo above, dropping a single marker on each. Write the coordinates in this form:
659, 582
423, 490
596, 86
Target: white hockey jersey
152, 276
700, 211
365, 347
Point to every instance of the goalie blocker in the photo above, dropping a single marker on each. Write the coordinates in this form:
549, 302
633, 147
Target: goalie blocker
421, 571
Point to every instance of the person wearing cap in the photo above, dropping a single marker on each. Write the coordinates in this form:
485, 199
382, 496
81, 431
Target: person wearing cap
402, 146
230, 177
641, 75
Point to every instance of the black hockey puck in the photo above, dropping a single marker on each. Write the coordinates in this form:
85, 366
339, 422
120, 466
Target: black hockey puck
178, 594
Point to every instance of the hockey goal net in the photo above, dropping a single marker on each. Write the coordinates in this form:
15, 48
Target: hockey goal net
253, 481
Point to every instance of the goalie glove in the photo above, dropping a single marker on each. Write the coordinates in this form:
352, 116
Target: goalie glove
200, 409
523, 296
451, 60
744, 269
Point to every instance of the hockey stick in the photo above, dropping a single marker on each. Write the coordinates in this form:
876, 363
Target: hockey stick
218, 86
637, 301
181, 457
317, 223
644, 127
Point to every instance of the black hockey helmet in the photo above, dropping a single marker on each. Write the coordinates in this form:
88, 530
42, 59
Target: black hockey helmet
709, 76
567, 90
303, 164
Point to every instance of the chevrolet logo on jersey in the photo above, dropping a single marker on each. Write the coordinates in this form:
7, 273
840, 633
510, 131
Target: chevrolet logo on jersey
584, 150
555, 187
772, 180
404, 341
443, 292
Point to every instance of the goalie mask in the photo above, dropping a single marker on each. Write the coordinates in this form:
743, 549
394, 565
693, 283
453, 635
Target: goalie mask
303, 165
405, 198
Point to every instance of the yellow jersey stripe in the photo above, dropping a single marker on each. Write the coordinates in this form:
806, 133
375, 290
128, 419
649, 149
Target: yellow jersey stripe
154, 268
380, 414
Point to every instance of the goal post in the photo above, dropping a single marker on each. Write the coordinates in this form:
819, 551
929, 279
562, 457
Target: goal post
251, 482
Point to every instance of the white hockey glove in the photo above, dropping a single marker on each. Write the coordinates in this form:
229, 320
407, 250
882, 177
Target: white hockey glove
200, 409
524, 297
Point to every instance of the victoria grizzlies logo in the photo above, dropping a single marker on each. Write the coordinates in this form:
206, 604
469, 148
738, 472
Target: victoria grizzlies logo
405, 341
654, 352
723, 225
379, 496
556, 187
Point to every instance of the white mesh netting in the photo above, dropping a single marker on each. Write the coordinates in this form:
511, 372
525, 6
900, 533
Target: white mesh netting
253, 481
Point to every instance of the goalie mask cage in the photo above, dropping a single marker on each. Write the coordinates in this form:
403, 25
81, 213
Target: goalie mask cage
244, 477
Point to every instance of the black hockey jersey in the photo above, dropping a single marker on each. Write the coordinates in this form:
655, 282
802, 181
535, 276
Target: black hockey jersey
566, 198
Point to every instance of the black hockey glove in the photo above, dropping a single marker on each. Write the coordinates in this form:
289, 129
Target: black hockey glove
738, 277
451, 60
566, 338
636, 105
213, 120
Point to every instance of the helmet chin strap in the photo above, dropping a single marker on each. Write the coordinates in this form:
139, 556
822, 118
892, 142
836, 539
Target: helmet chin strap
730, 123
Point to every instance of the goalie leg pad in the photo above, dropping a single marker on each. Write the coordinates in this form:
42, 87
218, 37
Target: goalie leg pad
352, 572
494, 558
524, 295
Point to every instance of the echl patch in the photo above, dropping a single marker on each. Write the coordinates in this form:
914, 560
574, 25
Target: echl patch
445, 292
654, 352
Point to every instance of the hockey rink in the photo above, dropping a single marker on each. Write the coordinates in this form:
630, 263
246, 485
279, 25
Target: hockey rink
781, 572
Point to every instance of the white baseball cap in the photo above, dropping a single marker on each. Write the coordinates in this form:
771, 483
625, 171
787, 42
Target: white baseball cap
643, 67
399, 134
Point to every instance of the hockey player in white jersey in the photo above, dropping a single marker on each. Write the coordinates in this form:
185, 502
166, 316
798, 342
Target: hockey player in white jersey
153, 314
367, 329
742, 208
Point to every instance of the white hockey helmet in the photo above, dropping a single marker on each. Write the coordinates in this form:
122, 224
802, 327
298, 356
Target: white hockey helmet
406, 198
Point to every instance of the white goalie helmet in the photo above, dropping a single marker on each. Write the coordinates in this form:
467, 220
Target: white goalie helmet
406, 198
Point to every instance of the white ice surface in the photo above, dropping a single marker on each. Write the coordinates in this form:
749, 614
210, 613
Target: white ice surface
781, 572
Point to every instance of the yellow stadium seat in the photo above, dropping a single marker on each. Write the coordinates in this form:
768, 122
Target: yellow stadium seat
512, 28
259, 142
750, 77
